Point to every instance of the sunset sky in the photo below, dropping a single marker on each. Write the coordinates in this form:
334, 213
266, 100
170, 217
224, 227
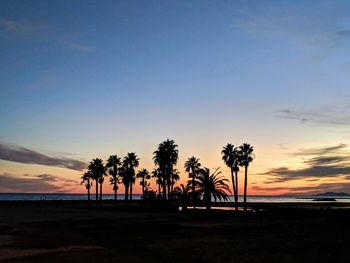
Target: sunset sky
86, 79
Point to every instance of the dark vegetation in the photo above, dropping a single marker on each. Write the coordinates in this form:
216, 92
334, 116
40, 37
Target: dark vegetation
202, 185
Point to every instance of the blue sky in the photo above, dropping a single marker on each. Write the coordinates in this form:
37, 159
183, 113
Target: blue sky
91, 78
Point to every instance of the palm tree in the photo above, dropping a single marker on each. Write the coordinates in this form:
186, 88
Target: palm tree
156, 173
212, 185
86, 180
192, 166
144, 175
97, 170
114, 163
182, 193
130, 162
230, 155
246, 156
175, 176
166, 157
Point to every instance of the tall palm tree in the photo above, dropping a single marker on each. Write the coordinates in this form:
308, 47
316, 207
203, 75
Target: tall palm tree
212, 185
192, 166
246, 156
86, 180
130, 162
114, 163
97, 170
230, 155
166, 157
144, 175
182, 193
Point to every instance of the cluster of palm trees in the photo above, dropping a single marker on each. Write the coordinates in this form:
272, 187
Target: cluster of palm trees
201, 184
235, 157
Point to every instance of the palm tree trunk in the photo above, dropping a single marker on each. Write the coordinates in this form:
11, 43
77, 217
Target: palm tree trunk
115, 190
234, 190
101, 193
169, 191
131, 192
88, 192
143, 187
159, 189
126, 192
96, 184
236, 178
164, 190
245, 186
208, 201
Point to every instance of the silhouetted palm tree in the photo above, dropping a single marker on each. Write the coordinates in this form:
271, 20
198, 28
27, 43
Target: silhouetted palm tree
212, 185
182, 193
86, 180
114, 163
166, 157
97, 170
192, 166
156, 173
231, 157
175, 176
130, 162
246, 156
144, 175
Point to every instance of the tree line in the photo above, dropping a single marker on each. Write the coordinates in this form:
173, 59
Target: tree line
202, 184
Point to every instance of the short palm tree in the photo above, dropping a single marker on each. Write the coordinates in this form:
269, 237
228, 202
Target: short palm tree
156, 173
246, 157
230, 155
175, 176
212, 185
143, 175
182, 193
192, 166
166, 157
114, 163
86, 180
130, 162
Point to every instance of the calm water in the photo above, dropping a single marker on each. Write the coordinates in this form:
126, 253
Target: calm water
253, 199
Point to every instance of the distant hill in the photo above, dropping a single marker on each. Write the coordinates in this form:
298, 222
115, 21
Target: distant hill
332, 194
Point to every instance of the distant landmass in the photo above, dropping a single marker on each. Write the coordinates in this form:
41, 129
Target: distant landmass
332, 194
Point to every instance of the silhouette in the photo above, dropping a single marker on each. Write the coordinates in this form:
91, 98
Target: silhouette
144, 175
212, 185
86, 180
130, 162
193, 166
97, 170
182, 193
231, 157
175, 176
246, 155
158, 176
114, 163
166, 157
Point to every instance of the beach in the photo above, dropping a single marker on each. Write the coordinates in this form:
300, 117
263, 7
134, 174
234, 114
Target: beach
268, 233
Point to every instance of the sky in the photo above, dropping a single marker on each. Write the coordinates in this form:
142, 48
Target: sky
87, 79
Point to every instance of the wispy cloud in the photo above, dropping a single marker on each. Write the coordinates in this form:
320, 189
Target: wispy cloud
20, 28
24, 155
328, 115
327, 162
323, 30
42, 183
39, 31
324, 187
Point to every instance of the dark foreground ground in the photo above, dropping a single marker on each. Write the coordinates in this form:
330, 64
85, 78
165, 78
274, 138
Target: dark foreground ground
280, 233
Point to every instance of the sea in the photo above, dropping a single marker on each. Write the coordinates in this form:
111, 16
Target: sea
251, 198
